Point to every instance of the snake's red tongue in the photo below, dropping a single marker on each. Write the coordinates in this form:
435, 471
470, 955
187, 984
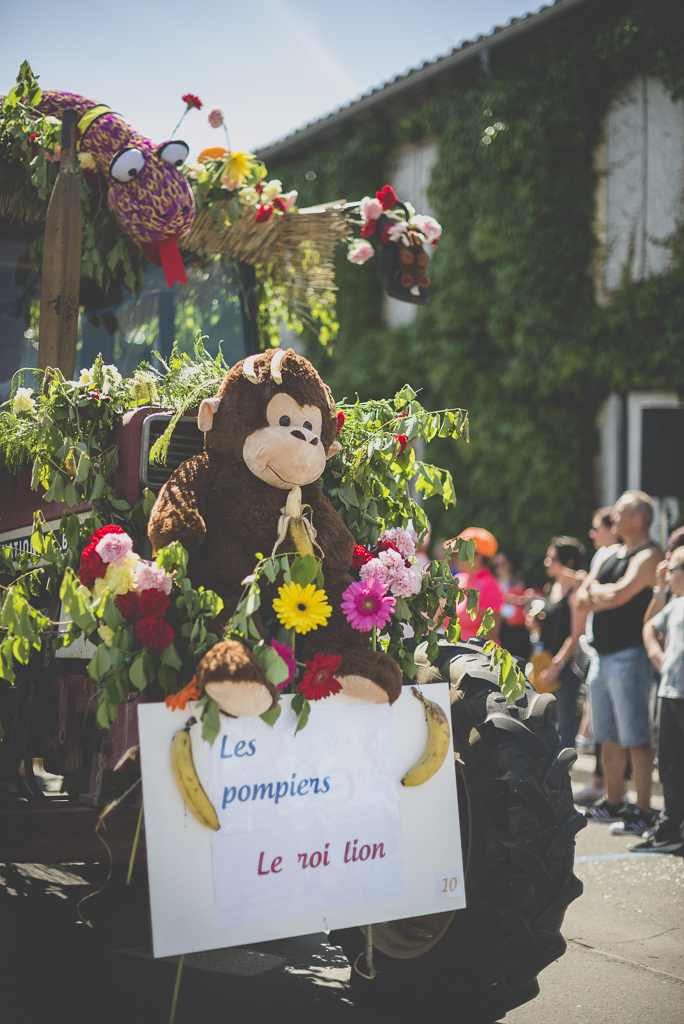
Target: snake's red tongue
165, 254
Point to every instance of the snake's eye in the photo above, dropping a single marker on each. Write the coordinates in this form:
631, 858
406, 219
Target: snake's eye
127, 164
284, 421
308, 424
174, 153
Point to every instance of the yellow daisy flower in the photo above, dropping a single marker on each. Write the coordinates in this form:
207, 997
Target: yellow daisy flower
237, 167
302, 608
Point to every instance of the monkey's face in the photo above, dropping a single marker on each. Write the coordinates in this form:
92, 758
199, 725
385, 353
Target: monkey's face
288, 452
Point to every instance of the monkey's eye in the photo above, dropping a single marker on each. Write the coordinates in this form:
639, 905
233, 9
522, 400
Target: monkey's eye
284, 421
308, 424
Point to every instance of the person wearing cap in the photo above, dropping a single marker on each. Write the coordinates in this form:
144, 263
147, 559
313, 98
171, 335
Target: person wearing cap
479, 578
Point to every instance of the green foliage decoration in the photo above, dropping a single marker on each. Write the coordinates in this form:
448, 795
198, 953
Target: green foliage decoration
512, 330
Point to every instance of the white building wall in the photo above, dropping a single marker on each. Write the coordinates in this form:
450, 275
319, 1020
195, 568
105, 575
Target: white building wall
643, 183
410, 176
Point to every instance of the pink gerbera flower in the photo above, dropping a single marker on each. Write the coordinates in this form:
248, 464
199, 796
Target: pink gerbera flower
288, 656
366, 604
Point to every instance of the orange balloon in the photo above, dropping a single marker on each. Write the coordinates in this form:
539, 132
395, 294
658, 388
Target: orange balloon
213, 153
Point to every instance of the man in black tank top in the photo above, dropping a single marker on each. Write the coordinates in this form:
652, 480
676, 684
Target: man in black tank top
618, 591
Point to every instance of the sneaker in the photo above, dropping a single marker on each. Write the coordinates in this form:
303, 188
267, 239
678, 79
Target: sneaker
589, 794
634, 823
659, 842
604, 812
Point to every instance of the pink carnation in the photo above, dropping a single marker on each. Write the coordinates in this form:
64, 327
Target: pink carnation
149, 576
113, 548
402, 541
367, 604
215, 117
360, 252
429, 227
371, 209
407, 581
396, 230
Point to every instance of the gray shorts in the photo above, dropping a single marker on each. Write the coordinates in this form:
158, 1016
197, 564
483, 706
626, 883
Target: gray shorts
618, 685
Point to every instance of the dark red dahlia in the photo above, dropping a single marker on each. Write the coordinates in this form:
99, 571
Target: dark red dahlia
153, 603
129, 605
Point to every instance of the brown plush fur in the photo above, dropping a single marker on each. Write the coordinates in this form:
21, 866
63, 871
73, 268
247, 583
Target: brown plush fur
223, 514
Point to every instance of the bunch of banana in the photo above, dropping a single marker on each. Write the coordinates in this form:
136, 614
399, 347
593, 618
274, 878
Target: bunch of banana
438, 744
188, 781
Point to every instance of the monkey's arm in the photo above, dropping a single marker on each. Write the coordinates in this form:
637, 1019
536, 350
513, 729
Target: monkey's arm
332, 535
178, 512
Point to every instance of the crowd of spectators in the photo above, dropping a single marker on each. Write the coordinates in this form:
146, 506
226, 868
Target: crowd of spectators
604, 638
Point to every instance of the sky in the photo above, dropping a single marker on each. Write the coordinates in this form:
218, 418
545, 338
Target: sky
271, 67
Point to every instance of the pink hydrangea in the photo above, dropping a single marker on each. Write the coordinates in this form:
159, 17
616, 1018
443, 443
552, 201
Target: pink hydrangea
113, 548
360, 252
367, 604
288, 656
149, 576
402, 541
215, 117
371, 209
392, 572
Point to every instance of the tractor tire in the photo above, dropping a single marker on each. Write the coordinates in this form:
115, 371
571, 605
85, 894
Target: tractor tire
518, 826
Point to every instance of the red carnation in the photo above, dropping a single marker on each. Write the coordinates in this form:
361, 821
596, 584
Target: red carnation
155, 634
360, 557
402, 441
263, 214
153, 603
129, 605
384, 237
340, 421
103, 531
260, 187
387, 197
387, 545
368, 228
192, 101
280, 204
319, 681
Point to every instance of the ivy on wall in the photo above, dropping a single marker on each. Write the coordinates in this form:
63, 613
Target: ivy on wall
513, 331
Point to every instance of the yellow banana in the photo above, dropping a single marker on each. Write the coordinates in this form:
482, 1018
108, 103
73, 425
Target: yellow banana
438, 744
188, 780
296, 527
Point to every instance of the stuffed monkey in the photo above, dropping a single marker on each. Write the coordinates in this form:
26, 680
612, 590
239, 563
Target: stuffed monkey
270, 428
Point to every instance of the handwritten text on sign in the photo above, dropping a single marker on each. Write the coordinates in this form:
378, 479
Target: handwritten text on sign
308, 822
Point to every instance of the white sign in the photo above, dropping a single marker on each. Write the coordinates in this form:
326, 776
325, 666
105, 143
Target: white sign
316, 830
308, 822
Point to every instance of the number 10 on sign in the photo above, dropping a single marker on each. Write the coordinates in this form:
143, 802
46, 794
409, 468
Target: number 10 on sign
446, 884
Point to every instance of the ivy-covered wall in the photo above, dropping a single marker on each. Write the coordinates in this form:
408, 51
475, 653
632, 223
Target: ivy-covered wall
512, 331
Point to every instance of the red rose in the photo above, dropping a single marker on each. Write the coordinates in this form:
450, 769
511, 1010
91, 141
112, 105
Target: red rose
387, 197
368, 228
340, 421
153, 603
263, 214
360, 557
280, 204
155, 634
192, 101
402, 442
318, 680
129, 605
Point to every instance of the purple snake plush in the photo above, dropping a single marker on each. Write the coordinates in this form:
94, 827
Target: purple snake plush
147, 194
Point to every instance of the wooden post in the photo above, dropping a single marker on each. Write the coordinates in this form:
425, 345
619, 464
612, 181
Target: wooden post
61, 273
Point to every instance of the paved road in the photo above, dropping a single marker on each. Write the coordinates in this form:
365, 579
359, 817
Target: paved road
625, 959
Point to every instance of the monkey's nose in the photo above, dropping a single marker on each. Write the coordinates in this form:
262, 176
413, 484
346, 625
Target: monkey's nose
314, 441
298, 434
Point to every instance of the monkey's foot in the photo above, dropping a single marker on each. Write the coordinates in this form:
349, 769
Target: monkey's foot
370, 675
231, 675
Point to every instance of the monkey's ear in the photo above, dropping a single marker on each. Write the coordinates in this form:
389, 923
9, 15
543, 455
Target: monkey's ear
205, 416
334, 448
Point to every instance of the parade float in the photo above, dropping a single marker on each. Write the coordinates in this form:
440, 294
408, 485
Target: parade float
204, 564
